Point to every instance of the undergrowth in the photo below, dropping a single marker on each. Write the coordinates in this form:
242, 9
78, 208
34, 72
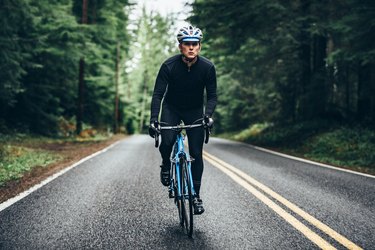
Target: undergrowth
15, 161
20, 153
340, 145
343, 146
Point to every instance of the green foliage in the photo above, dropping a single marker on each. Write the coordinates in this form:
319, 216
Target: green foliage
12, 50
153, 43
252, 131
15, 161
321, 140
344, 147
21, 153
289, 61
130, 119
277, 62
106, 34
42, 42
288, 135
49, 37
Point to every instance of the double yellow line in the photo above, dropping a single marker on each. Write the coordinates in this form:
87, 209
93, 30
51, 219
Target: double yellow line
254, 187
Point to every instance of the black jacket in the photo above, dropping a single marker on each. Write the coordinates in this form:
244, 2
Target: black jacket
183, 87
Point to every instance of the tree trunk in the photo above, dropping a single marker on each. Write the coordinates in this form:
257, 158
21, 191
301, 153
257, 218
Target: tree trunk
142, 115
304, 111
330, 77
319, 89
366, 93
81, 78
116, 115
84, 11
144, 99
79, 117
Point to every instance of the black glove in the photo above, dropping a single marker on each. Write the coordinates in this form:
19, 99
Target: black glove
208, 122
154, 128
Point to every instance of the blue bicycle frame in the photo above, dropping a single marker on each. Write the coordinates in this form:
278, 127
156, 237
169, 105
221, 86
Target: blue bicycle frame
179, 155
181, 186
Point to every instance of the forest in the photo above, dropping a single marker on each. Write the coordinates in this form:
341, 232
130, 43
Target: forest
287, 70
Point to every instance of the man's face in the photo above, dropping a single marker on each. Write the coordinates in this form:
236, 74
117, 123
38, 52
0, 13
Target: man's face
190, 49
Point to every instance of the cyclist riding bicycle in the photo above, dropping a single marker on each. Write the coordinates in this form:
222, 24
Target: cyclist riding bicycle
179, 89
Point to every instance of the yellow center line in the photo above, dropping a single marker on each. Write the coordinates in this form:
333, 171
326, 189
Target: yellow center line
245, 180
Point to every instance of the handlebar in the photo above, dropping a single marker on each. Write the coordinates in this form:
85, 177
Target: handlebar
180, 127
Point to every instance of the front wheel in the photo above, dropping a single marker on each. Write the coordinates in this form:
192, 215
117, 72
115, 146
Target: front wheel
177, 197
186, 201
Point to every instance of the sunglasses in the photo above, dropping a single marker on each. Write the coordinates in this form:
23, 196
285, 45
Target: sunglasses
190, 44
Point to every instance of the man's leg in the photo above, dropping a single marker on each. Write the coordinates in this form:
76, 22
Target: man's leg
168, 138
195, 139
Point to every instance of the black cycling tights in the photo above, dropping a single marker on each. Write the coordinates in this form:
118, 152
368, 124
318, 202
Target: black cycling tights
172, 117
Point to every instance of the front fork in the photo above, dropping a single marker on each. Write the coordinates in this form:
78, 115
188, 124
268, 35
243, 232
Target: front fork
177, 162
177, 168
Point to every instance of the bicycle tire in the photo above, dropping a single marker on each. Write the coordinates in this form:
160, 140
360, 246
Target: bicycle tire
187, 201
177, 199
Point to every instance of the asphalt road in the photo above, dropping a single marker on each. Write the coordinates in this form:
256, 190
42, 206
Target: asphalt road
115, 201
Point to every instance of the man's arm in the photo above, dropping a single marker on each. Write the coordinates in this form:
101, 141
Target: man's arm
211, 86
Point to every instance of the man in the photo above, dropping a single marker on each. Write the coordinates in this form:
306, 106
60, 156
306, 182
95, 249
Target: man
180, 83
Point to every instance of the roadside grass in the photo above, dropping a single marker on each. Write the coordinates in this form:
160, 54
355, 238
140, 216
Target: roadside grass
351, 147
20, 153
347, 147
16, 160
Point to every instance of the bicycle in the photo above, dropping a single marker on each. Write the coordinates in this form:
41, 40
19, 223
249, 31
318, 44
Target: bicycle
181, 186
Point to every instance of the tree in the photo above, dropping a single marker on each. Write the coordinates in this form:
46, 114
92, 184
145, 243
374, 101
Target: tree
14, 20
49, 40
43, 43
154, 43
290, 61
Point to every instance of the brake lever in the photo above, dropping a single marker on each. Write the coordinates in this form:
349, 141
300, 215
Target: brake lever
156, 139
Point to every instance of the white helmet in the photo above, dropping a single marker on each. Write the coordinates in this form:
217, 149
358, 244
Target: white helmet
189, 34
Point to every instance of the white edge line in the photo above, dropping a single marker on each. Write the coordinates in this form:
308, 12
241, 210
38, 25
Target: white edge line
310, 162
22, 195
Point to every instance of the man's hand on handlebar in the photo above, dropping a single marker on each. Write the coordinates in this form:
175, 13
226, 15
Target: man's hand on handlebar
154, 128
208, 122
